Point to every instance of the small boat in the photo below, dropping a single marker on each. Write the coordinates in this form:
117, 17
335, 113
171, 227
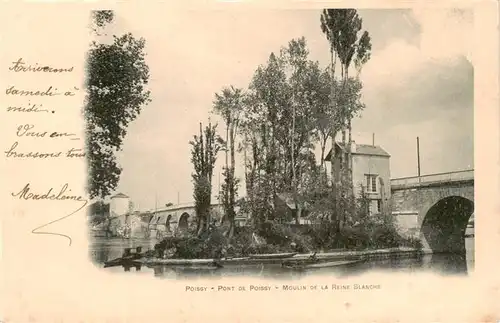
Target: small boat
195, 268
177, 262
128, 258
131, 261
233, 260
329, 264
213, 265
273, 255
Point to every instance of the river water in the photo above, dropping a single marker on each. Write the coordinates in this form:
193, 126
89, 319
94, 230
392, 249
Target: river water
105, 249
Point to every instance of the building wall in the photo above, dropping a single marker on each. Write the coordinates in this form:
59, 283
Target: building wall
373, 165
119, 206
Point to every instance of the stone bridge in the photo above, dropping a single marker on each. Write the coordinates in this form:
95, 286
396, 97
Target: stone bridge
181, 216
436, 208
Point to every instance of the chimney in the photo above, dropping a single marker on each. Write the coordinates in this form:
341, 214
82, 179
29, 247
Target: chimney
373, 139
353, 146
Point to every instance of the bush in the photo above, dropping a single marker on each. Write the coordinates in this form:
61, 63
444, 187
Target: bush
352, 238
304, 243
261, 249
189, 248
373, 232
281, 237
385, 237
241, 241
275, 233
321, 235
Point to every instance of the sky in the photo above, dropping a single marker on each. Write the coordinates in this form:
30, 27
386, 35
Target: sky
418, 83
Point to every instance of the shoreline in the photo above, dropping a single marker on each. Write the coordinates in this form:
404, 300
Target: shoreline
389, 253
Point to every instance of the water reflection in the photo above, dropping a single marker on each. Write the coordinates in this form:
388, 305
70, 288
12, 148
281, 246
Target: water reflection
106, 249
448, 264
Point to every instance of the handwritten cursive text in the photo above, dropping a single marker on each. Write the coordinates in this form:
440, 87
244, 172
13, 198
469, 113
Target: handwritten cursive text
20, 66
26, 194
59, 195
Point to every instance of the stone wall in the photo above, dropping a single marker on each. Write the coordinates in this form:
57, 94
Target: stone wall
410, 206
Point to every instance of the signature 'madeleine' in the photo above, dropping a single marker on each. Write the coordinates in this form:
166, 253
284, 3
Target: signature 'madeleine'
54, 195
26, 194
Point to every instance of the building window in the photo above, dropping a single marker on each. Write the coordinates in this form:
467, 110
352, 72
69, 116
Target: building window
371, 183
379, 206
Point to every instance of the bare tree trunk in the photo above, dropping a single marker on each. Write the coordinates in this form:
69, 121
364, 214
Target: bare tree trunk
350, 170
294, 183
322, 168
333, 133
322, 160
227, 166
231, 187
245, 164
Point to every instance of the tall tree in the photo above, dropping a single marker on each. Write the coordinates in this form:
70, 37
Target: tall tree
228, 104
117, 75
280, 122
342, 28
204, 150
269, 95
303, 84
253, 132
326, 120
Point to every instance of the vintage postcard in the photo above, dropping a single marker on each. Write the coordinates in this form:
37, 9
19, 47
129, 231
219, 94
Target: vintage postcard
250, 161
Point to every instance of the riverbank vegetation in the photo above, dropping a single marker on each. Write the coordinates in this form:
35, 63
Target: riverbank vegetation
373, 232
291, 106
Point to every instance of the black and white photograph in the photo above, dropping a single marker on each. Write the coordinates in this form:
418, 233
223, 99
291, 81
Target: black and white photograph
280, 143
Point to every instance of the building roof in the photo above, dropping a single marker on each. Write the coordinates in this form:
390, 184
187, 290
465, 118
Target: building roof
119, 195
361, 149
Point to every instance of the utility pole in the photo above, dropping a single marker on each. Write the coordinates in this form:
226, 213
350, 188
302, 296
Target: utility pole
418, 158
178, 197
156, 201
373, 139
218, 191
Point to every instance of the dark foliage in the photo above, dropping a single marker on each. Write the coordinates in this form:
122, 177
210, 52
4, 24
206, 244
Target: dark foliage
116, 78
204, 150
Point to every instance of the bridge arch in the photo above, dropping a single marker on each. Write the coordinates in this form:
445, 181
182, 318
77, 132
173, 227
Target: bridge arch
444, 224
183, 221
167, 222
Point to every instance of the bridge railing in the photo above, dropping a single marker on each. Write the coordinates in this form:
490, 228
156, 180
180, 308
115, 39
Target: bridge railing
433, 178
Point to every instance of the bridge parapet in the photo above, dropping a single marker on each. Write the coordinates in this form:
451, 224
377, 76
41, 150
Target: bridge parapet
416, 181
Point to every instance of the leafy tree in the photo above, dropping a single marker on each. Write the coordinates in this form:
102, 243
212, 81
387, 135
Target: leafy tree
257, 181
296, 56
286, 103
342, 28
269, 96
99, 208
229, 104
101, 18
117, 75
323, 115
204, 150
